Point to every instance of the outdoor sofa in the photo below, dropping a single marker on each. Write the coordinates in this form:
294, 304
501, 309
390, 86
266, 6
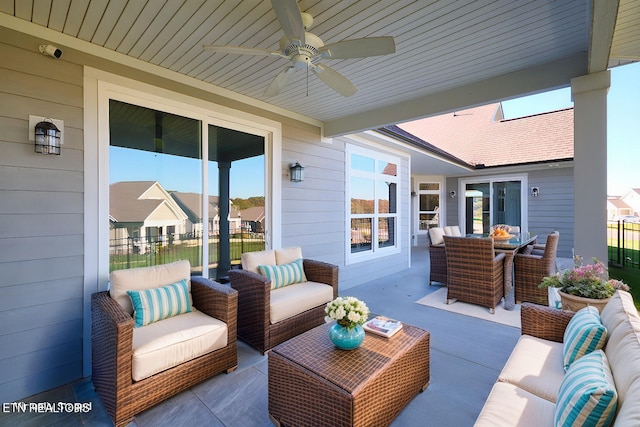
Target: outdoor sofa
533, 387
134, 368
270, 311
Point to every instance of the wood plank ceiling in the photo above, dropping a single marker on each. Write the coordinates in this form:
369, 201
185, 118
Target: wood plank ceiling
440, 45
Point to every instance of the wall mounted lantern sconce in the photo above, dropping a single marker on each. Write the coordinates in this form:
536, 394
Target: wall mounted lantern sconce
535, 191
452, 194
46, 135
296, 171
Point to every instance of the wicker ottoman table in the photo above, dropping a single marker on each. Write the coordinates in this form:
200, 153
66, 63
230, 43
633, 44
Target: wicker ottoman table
312, 383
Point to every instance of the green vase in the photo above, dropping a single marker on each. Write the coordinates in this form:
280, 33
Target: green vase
346, 338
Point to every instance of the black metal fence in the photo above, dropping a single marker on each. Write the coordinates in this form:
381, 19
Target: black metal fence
623, 240
130, 252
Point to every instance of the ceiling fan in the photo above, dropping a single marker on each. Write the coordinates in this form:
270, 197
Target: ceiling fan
305, 50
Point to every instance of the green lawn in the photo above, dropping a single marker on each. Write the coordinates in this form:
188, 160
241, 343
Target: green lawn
630, 276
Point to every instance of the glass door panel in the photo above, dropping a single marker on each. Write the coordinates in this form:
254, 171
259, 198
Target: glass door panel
477, 208
506, 202
155, 195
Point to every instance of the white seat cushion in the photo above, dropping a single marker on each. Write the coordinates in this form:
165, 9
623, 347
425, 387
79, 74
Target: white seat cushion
170, 342
251, 260
435, 235
508, 405
452, 230
535, 365
294, 299
136, 279
288, 255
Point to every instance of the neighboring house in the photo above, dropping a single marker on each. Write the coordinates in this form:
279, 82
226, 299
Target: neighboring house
520, 172
632, 199
253, 219
191, 203
142, 213
616, 207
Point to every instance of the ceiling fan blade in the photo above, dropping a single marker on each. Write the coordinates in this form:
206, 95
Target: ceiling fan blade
334, 80
279, 82
290, 19
359, 48
239, 50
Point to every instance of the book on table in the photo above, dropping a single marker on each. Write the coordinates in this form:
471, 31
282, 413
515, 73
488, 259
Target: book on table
381, 325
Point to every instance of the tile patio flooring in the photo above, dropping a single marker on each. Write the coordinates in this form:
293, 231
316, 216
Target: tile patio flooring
467, 355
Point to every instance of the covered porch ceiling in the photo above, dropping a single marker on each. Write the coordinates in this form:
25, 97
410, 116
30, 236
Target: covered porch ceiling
449, 54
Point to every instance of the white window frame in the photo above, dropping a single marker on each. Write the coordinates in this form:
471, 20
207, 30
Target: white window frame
375, 251
435, 179
491, 179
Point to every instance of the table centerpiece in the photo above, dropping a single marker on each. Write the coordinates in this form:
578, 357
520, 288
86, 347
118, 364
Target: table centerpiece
349, 313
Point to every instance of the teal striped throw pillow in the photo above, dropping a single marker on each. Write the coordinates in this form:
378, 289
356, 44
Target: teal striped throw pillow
151, 305
587, 395
584, 334
285, 274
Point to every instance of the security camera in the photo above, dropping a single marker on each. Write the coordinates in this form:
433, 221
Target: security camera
51, 50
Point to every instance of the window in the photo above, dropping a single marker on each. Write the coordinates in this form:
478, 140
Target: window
428, 205
372, 195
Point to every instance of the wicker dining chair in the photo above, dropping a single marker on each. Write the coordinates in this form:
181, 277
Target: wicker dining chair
437, 256
531, 268
475, 274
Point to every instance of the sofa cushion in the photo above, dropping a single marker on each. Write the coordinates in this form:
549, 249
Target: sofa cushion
435, 235
170, 342
251, 260
121, 281
623, 353
584, 334
152, 305
294, 299
288, 255
452, 230
283, 275
535, 365
618, 310
587, 395
509, 405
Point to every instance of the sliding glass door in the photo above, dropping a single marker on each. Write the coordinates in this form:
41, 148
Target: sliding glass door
493, 201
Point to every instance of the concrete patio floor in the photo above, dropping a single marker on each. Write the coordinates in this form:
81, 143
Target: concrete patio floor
467, 355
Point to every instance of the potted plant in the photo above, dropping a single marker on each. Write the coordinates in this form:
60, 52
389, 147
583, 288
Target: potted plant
584, 285
350, 314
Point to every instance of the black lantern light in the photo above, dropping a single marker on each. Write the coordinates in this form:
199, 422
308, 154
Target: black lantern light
47, 137
297, 172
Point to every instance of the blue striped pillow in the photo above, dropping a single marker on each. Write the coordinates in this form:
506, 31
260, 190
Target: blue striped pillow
284, 274
584, 334
587, 395
152, 305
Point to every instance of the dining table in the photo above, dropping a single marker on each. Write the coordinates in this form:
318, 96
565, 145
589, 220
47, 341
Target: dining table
510, 246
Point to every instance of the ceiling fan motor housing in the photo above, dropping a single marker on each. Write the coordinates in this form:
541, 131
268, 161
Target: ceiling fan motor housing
301, 56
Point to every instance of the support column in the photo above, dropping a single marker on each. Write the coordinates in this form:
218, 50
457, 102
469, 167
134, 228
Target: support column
590, 165
224, 256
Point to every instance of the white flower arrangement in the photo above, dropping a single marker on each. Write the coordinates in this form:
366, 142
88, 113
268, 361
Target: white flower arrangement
347, 311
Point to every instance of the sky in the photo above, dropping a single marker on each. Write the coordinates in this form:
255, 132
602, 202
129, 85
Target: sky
623, 123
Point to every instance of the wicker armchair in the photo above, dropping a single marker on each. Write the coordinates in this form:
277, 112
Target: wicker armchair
254, 301
437, 256
112, 352
475, 274
531, 268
